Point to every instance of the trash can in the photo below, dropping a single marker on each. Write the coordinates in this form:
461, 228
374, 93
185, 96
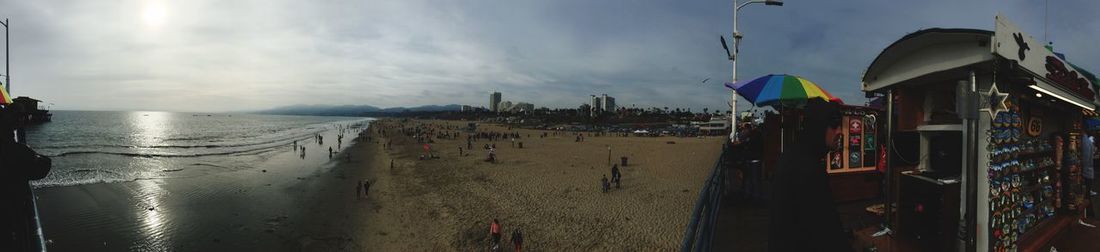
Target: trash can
624, 161
521, 145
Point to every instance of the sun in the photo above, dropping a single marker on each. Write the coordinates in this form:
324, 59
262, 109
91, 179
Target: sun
153, 15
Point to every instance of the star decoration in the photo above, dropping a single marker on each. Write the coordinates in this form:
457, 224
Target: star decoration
995, 100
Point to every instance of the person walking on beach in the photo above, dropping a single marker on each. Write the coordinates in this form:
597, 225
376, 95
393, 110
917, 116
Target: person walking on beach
804, 217
604, 186
366, 188
517, 239
494, 232
358, 189
330, 152
615, 175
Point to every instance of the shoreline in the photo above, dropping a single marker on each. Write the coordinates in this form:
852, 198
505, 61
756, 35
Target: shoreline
249, 209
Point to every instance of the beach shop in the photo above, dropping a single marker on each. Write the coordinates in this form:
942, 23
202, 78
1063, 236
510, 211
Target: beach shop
984, 130
852, 167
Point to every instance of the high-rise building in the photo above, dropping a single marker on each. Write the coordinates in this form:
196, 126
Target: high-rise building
607, 103
595, 109
494, 102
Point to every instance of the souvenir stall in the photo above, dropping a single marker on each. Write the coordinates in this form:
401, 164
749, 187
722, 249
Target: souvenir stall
852, 167
984, 129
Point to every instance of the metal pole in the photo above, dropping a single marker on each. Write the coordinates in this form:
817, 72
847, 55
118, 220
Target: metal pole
733, 57
7, 58
889, 160
972, 167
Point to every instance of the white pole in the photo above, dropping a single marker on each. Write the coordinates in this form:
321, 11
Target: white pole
7, 57
733, 94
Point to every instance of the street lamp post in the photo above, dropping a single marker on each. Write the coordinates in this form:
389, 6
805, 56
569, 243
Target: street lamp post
7, 58
733, 57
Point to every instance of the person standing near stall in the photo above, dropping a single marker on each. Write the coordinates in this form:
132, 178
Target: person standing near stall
1087, 152
803, 214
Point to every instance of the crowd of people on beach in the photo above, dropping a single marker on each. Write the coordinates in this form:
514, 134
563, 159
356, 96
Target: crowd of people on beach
341, 129
428, 134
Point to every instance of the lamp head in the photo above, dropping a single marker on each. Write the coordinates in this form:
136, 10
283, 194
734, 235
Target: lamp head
773, 2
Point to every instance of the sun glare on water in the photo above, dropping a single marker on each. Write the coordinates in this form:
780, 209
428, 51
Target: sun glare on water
153, 14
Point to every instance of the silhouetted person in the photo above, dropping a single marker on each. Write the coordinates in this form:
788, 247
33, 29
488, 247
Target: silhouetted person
366, 188
604, 186
803, 215
1087, 149
19, 165
615, 175
517, 239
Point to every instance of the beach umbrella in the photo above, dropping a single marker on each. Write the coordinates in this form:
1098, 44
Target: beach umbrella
5, 99
779, 90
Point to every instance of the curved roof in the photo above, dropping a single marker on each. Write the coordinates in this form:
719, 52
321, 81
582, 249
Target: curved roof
926, 52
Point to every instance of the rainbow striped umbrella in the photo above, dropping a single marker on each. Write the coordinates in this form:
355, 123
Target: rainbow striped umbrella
5, 99
779, 90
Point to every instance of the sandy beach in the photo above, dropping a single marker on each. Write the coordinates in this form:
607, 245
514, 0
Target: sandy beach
549, 189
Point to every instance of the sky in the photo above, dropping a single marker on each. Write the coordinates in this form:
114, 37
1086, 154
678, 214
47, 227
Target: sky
218, 56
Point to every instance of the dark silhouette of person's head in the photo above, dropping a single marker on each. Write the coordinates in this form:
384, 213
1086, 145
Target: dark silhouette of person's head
820, 125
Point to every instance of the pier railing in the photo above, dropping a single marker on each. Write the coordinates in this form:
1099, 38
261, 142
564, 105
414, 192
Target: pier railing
700, 231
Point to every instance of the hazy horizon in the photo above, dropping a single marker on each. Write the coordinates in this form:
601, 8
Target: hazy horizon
212, 56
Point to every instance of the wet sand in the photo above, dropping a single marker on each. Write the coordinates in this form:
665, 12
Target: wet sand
549, 189
296, 204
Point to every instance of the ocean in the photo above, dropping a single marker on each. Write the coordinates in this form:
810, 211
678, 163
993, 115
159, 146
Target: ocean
102, 147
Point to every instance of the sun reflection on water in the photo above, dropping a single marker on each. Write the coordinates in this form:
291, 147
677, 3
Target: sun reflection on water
153, 215
149, 130
150, 127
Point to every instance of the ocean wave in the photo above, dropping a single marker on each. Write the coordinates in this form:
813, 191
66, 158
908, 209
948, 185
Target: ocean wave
79, 177
276, 141
169, 146
72, 182
155, 155
191, 138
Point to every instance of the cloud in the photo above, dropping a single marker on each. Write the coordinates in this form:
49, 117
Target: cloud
244, 55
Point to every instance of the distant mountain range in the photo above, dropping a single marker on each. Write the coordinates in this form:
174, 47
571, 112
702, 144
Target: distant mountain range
353, 110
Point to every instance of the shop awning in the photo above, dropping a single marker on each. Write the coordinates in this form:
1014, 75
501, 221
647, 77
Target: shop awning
932, 55
1060, 93
926, 52
1052, 73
